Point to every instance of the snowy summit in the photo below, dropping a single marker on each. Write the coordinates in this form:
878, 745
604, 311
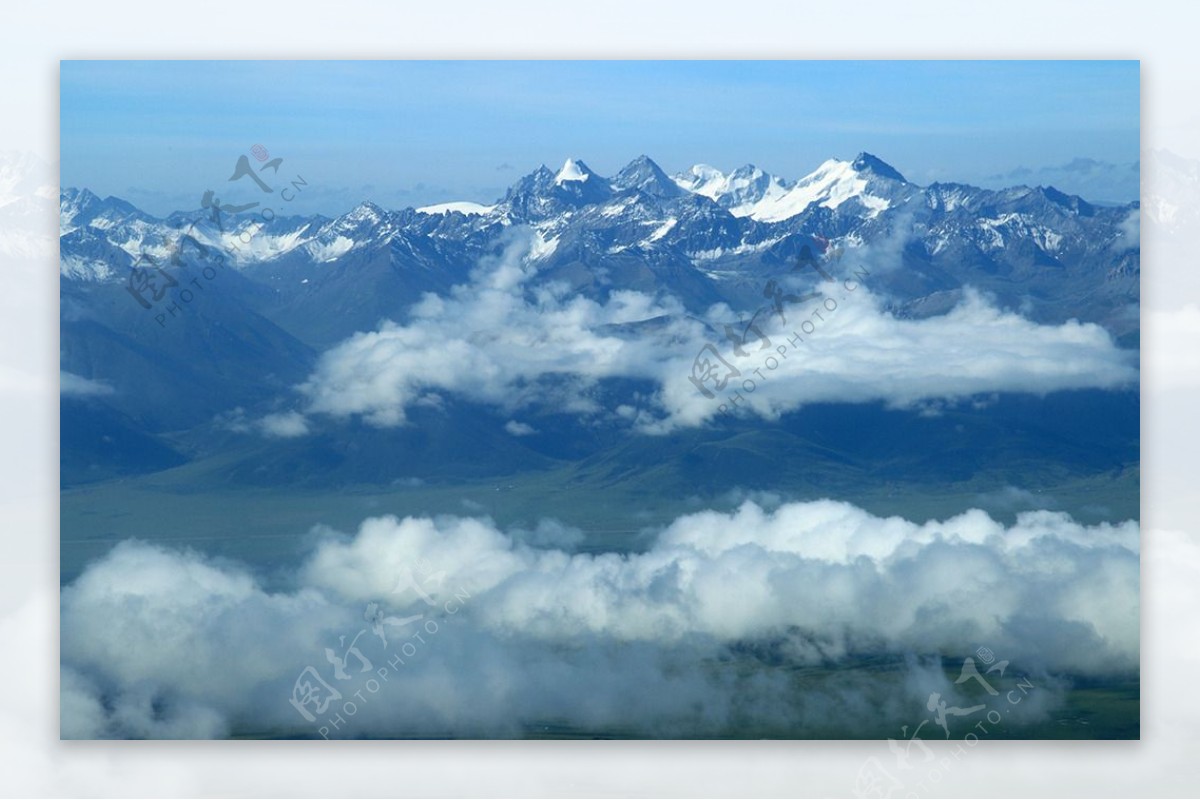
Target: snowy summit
573, 170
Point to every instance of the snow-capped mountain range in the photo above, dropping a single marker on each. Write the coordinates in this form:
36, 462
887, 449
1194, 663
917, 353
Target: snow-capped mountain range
750, 192
244, 308
704, 236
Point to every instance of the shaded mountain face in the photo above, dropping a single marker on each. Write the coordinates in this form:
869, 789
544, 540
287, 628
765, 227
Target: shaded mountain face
195, 317
645, 176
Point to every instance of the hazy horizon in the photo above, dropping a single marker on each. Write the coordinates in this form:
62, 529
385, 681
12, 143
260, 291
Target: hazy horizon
414, 133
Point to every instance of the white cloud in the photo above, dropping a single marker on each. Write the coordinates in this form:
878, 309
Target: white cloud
72, 385
497, 341
519, 428
280, 425
175, 645
288, 425
858, 353
1131, 232
488, 341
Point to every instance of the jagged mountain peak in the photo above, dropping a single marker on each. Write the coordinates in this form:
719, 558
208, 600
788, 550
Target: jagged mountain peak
865, 162
363, 220
573, 170
71, 194
701, 171
646, 176
643, 161
364, 215
538, 180
577, 184
830, 185
82, 207
747, 171
368, 208
598, 240
738, 192
702, 179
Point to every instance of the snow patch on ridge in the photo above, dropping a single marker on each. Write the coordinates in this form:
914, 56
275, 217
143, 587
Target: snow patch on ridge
833, 183
329, 251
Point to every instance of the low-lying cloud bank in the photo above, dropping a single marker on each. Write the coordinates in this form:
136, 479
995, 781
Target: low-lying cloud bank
498, 340
743, 623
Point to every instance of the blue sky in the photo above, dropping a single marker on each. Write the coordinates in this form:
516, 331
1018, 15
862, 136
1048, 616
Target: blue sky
408, 133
